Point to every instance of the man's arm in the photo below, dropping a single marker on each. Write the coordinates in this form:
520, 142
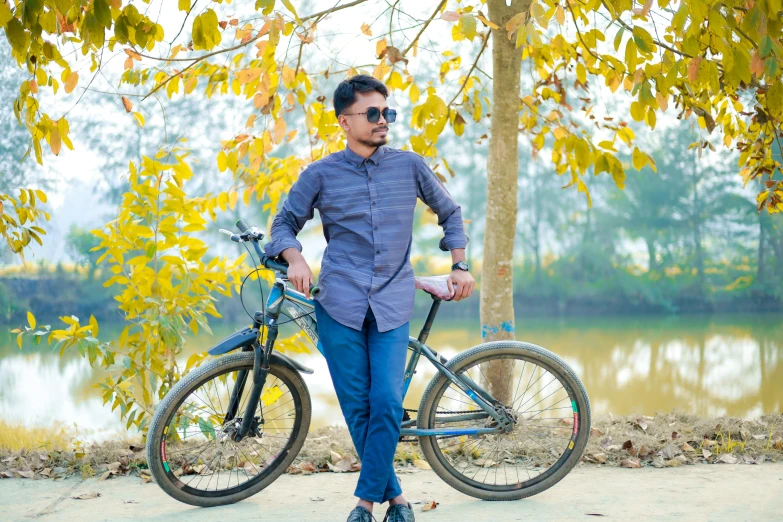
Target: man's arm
434, 194
296, 211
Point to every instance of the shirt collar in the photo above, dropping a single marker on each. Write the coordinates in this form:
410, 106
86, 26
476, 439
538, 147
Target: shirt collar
358, 161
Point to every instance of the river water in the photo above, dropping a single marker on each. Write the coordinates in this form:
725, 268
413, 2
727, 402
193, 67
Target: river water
705, 365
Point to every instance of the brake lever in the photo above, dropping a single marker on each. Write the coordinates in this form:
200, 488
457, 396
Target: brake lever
234, 237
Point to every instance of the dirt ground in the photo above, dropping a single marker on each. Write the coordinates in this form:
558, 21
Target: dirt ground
718, 492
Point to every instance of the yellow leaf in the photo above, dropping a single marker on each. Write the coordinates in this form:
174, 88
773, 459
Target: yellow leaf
31, 320
271, 395
560, 15
380, 46
287, 4
639, 159
54, 141
279, 133
139, 119
581, 73
366, 29
487, 22
414, 93
233, 197
289, 77
222, 161
71, 81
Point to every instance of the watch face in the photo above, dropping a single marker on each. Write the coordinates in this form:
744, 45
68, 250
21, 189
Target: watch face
462, 265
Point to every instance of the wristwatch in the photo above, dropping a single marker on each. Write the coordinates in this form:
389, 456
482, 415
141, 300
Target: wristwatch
461, 265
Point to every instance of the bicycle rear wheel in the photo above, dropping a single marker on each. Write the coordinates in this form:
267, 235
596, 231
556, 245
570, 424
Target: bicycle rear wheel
190, 449
539, 390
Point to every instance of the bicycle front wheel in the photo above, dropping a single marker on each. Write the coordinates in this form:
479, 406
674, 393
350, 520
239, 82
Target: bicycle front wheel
190, 447
539, 391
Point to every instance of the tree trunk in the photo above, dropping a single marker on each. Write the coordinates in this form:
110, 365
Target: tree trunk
652, 265
497, 305
762, 241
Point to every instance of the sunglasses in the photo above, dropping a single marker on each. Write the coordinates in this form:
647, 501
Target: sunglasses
374, 114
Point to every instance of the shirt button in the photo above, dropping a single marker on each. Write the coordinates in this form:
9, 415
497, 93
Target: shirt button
377, 251
373, 203
370, 178
376, 274
376, 228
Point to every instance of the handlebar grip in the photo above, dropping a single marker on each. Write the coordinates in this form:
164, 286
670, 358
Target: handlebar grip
314, 290
242, 226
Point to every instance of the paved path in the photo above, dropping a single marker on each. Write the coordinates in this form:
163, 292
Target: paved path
689, 493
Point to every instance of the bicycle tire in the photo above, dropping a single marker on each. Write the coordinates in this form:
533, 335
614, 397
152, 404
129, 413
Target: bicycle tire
485, 352
192, 382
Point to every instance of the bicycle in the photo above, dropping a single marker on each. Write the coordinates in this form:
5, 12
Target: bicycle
204, 454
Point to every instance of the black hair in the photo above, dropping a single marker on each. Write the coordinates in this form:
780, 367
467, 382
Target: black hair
345, 93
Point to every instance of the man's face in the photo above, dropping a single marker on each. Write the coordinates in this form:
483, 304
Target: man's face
357, 127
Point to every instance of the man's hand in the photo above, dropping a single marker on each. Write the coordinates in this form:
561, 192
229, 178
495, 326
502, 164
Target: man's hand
299, 272
460, 284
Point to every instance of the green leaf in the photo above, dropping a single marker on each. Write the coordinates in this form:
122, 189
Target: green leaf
17, 36
643, 40
206, 428
766, 46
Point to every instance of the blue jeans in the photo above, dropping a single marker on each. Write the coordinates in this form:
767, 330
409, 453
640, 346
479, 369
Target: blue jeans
367, 369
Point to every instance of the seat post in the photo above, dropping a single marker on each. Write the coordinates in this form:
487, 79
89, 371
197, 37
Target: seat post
425, 329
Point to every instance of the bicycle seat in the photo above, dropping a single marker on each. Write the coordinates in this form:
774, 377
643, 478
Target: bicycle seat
436, 286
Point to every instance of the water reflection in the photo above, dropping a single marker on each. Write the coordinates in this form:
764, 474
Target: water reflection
708, 366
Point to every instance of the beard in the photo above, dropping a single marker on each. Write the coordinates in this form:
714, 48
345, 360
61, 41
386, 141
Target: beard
374, 140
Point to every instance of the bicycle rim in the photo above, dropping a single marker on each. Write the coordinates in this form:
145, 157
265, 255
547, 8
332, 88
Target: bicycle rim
544, 436
197, 452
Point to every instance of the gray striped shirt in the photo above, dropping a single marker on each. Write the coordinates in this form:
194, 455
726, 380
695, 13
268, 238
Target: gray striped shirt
366, 207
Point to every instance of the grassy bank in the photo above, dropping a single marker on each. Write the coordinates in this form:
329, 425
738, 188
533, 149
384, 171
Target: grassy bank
666, 440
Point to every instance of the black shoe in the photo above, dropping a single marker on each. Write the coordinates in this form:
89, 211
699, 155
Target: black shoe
399, 513
360, 514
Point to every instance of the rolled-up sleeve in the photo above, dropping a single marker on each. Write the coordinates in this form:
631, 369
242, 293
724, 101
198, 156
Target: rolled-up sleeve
434, 194
296, 211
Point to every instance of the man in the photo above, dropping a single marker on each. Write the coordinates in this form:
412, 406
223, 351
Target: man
366, 195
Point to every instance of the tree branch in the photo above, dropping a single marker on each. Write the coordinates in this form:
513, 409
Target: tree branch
317, 16
475, 62
434, 14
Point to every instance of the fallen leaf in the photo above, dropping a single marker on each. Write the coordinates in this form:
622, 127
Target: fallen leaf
687, 447
760, 459
679, 460
130, 501
727, 459
86, 496
706, 453
431, 504
105, 476
599, 458
675, 435
670, 451
644, 451
336, 457
630, 463
658, 462
26, 474
316, 499
760, 436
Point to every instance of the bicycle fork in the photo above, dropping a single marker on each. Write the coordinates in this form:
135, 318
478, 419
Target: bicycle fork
260, 372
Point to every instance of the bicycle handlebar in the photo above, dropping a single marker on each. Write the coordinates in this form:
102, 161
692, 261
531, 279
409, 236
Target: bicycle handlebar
253, 235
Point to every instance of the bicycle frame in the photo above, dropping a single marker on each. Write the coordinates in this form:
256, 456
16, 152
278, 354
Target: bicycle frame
285, 300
